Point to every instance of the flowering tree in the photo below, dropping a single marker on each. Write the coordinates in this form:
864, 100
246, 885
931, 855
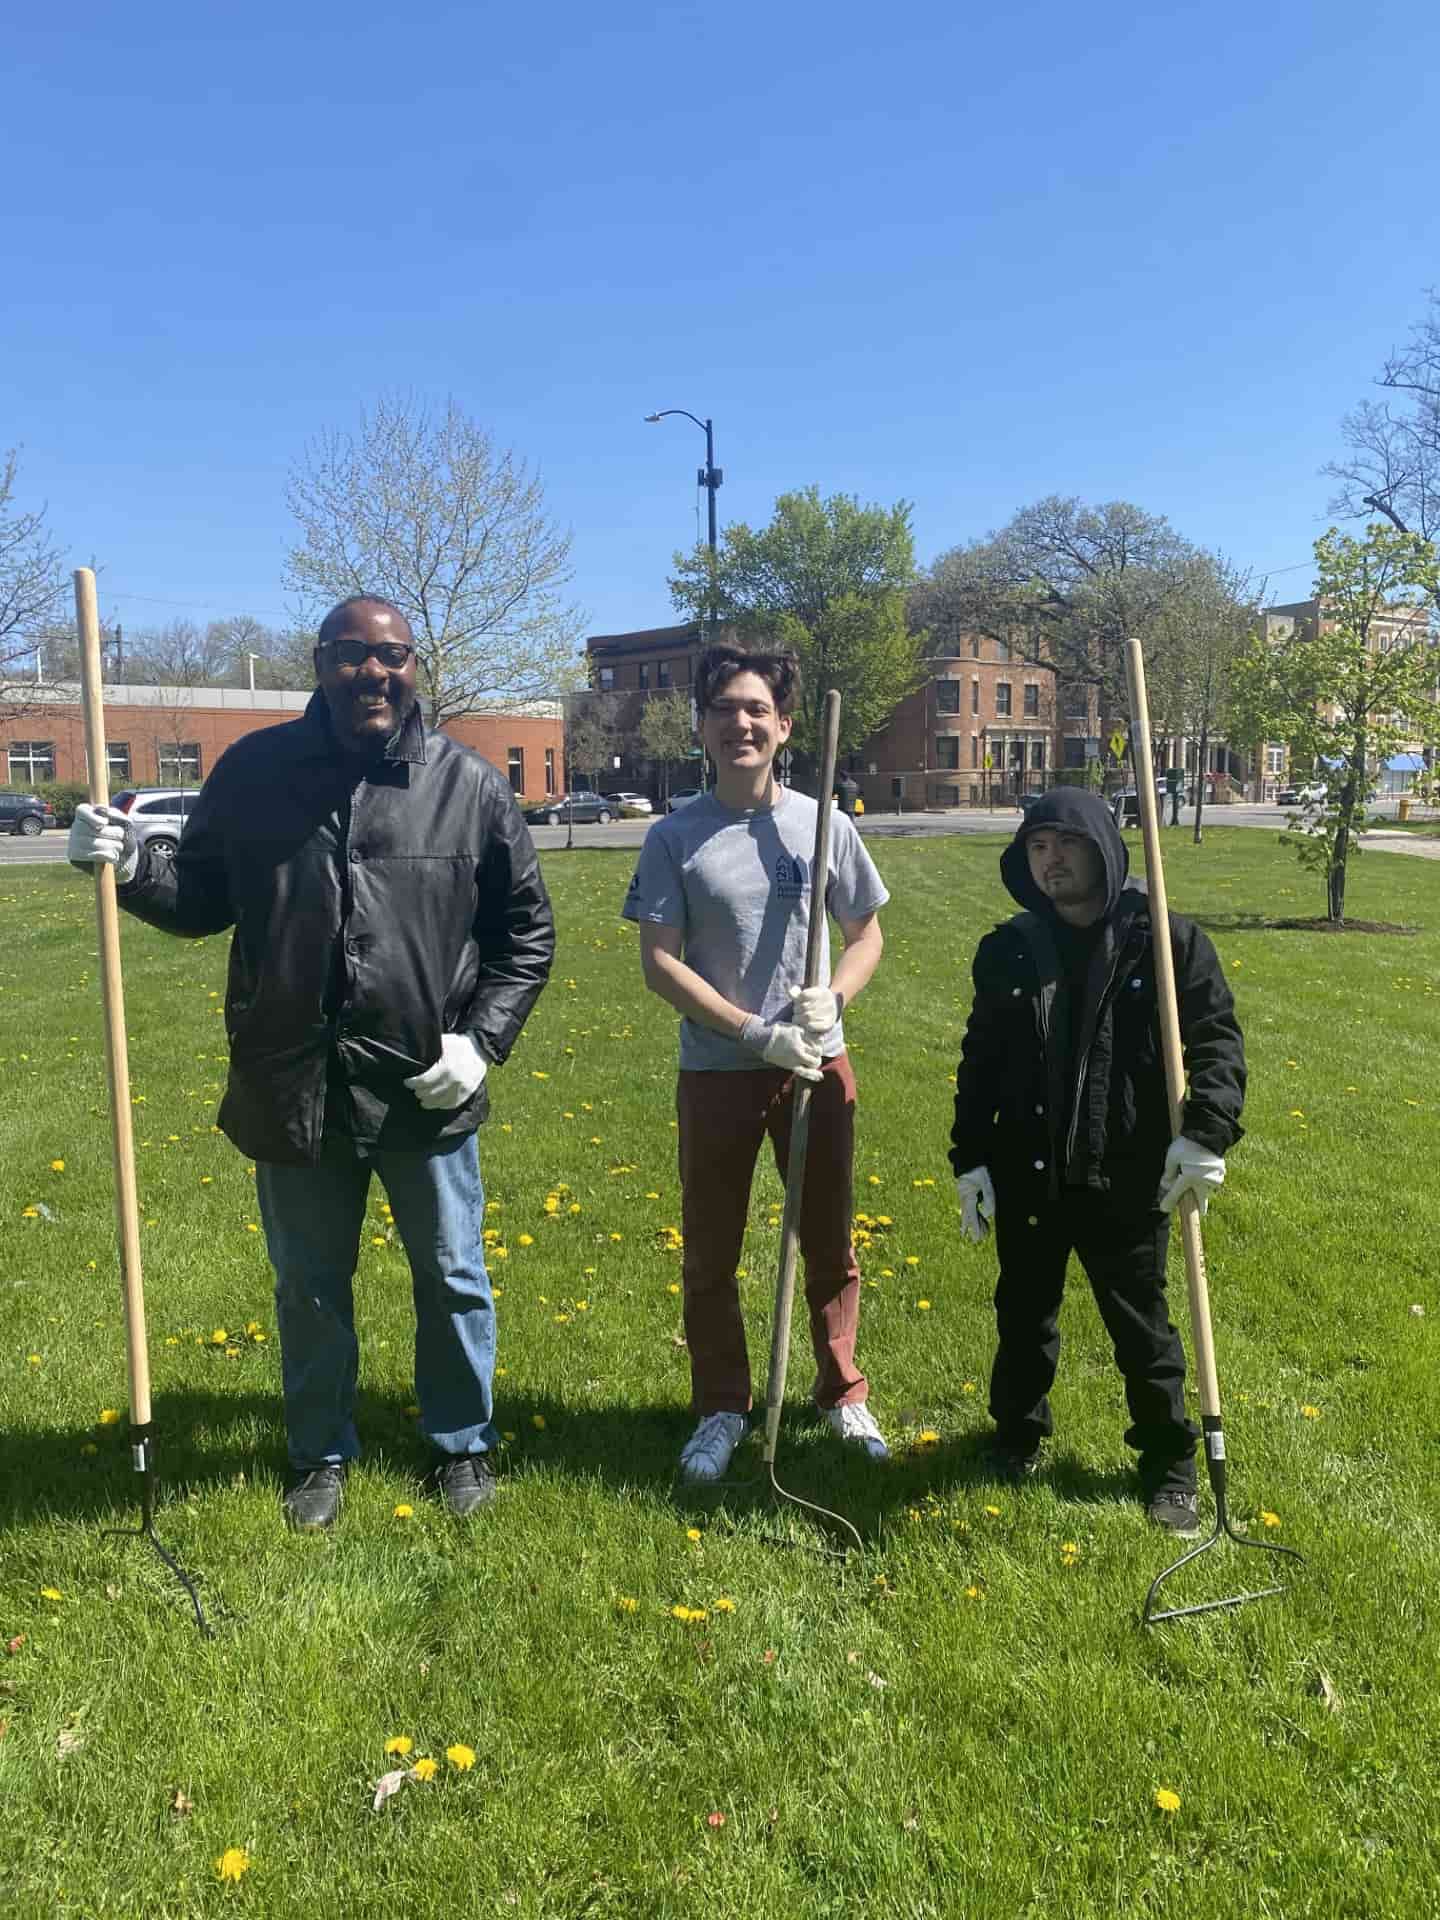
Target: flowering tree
1349, 689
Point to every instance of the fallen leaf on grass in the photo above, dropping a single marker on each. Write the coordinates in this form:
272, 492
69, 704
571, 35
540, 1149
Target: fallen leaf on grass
14, 1645
387, 1785
1323, 1688
70, 1740
181, 1804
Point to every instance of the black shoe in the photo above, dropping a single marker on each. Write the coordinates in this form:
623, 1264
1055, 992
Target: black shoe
313, 1503
466, 1481
1013, 1464
1170, 1498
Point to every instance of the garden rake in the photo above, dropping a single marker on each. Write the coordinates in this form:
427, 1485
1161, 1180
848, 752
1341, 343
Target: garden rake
127, 1211
800, 1140
1202, 1332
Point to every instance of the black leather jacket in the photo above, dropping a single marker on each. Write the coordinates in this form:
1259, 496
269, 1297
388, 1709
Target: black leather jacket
377, 905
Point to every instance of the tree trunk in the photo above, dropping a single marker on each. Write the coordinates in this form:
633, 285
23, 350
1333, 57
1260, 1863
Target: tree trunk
1201, 754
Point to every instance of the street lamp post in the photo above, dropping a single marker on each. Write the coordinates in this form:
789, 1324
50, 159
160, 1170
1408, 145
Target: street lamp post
711, 478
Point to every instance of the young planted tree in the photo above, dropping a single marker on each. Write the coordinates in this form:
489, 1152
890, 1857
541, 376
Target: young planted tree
1200, 633
425, 511
665, 732
33, 586
827, 579
1349, 689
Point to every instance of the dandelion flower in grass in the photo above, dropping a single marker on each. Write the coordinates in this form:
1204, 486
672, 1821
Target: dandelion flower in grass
574, 1207
724, 1605
972, 1593
233, 1864
1268, 1519
1310, 1413
425, 1769
927, 1437
912, 1259
652, 1195
582, 1306
617, 1236
872, 1179
377, 1239
994, 1512
51, 1593
207, 1180
674, 1287
692, 1533
923, 1306
404, 1512
561, 1319
524, 1239
219, 1337
1167, 1800
400, 1743
109, 1416
537, 1420
887, 1273
626, 1603
57, 1166
536, 1074
462, 1758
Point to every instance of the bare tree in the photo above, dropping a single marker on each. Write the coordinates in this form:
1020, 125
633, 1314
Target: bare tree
1393, 466
32, 584
1201, 633
666, 732
426, 511
181, 654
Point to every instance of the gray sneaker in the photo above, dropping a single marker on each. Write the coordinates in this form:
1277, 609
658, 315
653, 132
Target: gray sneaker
466, 1481
709, 1449
313, 1504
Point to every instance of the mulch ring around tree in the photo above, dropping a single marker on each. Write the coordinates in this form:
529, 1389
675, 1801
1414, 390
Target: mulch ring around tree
1263, 923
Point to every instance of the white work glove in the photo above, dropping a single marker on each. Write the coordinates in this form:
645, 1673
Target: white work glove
103, 833
783, 1045
455, 1076
1189, 1168
977, 1202
815, 1010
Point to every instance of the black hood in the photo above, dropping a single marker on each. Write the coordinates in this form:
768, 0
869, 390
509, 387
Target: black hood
1073, 811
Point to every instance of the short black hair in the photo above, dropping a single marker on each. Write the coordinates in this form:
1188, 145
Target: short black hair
335, 618
719, 665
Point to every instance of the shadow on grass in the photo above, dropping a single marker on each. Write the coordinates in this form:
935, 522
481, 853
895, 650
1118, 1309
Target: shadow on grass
206, 1441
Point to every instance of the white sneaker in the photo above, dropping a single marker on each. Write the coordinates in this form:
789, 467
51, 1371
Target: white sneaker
856, 1424
709, 1449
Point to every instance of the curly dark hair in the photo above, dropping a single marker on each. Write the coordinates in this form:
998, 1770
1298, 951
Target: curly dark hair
718, 666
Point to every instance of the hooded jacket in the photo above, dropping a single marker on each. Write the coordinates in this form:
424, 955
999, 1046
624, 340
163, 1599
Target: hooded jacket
378, 904
1060, 1089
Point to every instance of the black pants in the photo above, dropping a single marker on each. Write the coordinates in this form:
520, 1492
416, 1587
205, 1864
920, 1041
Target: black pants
1123, 1253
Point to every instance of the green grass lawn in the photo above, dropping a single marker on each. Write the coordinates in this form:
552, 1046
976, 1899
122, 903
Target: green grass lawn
966, 1723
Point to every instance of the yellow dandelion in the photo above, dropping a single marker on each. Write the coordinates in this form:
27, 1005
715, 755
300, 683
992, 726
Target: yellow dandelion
219, 1337
617, 1236
404, 1511
674, 1287
1268, 1519
872, 1179
425, 1769
109, 1416
724, 1605
535, 1074
994, 1512
1310, 1413
377, 1239
233, 1863
972, 1593
626, 1603
912, 1259
923, 1305
1167, 1800
692, 1533
57, 1166
51, 1593
207, 1180
582, 1306
400, 1743
537, 1420
525, 1240
927, 1437
462, 1758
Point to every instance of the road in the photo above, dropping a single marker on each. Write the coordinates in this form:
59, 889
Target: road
48, 848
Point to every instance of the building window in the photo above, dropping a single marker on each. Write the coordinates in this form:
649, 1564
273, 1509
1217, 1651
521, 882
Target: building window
1077, 703
947, 696
974, 749
178, 763
1032, 701
1002, 697
662, 674
549, 769
974, 646
117, 756
1074, 750
1274, 758
1002, 651
642, 675
947, 796
31, 760
947, 750
897, 789
1037, 756
974, 696
607, 679
516, 759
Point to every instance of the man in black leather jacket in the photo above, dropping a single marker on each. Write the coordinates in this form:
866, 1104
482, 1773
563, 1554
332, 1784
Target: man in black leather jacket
1062, 1130
391, 935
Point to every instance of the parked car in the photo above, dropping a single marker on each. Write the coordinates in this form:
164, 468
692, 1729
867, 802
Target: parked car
684, 797
634, 804
157, 815
1304, 796
583, 808
1125, 806
25, 813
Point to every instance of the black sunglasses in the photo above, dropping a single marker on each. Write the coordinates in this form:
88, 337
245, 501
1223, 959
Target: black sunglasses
353, 653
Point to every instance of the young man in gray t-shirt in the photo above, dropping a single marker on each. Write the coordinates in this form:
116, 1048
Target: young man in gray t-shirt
722, 896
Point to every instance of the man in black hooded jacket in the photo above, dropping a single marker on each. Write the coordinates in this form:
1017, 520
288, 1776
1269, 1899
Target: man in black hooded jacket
1062, 1130
392, 933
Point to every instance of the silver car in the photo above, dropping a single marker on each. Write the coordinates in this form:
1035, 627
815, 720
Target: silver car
157, 815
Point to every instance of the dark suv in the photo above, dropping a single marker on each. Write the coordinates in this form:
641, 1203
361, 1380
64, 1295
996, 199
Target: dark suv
24, 813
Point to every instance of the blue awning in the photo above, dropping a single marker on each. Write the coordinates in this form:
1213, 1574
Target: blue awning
1406, 763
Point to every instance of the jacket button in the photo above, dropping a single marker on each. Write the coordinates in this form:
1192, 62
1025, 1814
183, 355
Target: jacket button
1039, 1166
1039, 1107
1015, 993
1033, 1221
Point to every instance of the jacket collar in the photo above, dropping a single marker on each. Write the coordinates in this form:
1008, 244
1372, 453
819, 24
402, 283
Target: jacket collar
407, 746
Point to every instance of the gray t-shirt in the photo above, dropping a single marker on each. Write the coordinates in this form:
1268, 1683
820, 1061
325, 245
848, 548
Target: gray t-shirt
737, 882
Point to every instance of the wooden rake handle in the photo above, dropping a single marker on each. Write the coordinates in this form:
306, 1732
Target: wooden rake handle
107, 914
800, 1114
1201, 1331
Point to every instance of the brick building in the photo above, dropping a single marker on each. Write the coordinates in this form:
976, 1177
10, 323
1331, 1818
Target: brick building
172, 736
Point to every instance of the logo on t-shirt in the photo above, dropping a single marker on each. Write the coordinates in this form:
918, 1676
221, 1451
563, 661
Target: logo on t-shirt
789, 877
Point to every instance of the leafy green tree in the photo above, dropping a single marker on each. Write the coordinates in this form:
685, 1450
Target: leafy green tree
1199, 634
1350, 689
827, 578
665, 732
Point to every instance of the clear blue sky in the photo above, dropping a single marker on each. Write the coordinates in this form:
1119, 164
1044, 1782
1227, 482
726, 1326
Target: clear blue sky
968, 256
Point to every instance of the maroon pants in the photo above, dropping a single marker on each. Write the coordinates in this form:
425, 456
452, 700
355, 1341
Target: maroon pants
723, 1118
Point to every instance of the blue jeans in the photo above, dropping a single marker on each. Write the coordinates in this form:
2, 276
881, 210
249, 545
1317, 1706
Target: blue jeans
313, 1217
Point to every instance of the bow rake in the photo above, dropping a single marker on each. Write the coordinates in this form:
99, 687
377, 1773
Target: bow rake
117, 1064
1201, 1329
795, 1170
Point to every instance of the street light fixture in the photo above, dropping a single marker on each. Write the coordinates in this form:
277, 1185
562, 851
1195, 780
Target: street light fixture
710, 477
